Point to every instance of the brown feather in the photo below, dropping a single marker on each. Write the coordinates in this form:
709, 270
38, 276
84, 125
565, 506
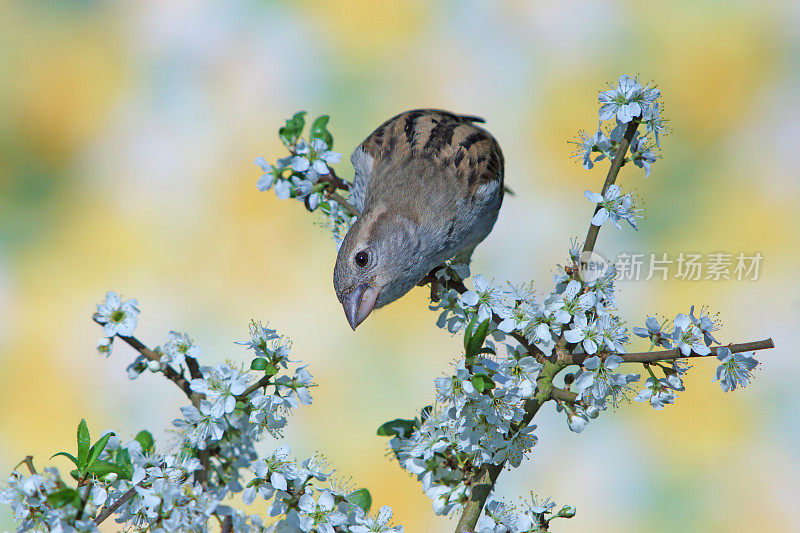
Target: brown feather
447, 139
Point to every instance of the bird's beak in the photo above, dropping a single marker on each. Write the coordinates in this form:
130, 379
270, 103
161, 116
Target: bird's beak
359, 303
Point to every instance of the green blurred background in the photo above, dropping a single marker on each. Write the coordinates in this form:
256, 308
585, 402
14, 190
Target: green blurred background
127, 135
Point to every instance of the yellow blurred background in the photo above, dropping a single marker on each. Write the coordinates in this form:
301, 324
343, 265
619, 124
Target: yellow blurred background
127, 135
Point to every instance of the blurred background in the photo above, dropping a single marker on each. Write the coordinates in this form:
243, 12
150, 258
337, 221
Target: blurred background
127, 135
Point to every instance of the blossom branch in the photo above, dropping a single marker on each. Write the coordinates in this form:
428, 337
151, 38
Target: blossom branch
169, 372
485, 479
111, 509
611, 177
674, 353
262, 382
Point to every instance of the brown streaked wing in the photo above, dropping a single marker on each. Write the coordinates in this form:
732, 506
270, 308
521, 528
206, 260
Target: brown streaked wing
446, 138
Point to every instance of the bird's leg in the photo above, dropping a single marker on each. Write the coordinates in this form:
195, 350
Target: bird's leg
438, 285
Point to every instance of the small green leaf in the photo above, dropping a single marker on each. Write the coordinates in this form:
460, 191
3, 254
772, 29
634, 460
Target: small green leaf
395, 427
294, 127
84, 441
259, 363
361, 498
62, 497
482, 382
68, 456
101, 468
475, 342
319, 130
486, 349
145, 438
123, 460
98, 448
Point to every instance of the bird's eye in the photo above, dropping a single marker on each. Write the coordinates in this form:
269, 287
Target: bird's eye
362, 258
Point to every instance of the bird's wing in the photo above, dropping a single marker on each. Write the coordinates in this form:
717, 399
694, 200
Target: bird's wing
451, 141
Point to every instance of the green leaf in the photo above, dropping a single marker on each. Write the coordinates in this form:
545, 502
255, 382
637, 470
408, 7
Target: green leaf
394, 427
475, 342
68, 456
62, 497
101, 468
294, 127
145, 438
486, 349
362, 498
98, 448
259, 363
84, 440
123, 460
482, 382
319, 130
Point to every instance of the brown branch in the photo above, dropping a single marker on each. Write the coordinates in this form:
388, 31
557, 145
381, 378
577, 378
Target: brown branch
349, 208
334, 180
263, 382
611, 177
111, 509
665, 355
674, 353
28, 461
170, 373
563, 395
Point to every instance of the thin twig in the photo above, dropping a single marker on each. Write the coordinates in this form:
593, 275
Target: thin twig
169, 372
111, 509
29, 462
334, 180
349, 208
563, 395
611, 177
263, 382
674, 353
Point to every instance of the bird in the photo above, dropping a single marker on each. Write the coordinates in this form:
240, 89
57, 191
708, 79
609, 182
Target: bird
428, 185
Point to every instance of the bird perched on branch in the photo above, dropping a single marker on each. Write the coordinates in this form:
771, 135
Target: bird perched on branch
428, 185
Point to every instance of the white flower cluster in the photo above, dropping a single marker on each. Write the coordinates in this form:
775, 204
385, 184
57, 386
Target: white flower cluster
614, 206
183, 487
304, 506
529, 517
691, 335
298, 176
28, 499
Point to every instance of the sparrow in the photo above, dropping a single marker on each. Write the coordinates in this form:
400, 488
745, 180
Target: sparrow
428, 185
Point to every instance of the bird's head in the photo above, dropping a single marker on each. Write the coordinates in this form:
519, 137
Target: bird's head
379, 261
